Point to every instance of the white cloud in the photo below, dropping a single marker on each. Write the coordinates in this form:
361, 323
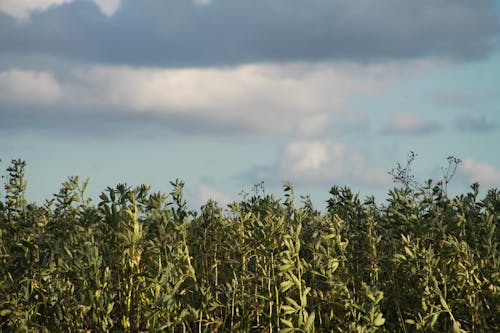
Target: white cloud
306, 156
409, 123
108, 7
29, 87
299, 97
320, 161
263, 97
484, 173
22, 9
303, 98
206, 193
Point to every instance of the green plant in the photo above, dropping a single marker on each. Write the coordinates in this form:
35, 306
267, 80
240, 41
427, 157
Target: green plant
141, 261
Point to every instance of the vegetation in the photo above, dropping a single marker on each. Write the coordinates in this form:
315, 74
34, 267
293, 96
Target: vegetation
141, 261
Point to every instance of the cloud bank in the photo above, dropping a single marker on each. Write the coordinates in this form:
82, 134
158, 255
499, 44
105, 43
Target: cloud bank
299, 73
301, 98
198, 33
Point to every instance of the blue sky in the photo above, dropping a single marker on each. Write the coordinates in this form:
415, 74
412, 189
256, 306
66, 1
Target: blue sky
224, 94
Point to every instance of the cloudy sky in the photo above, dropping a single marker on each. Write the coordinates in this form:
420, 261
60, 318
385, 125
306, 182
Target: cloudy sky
225, 94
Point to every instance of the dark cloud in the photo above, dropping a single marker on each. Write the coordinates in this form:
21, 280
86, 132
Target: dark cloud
475, 124
75, 124
181, 33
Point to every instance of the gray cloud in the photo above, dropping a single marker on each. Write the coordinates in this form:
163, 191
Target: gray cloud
475, 124
110, 124
182, 33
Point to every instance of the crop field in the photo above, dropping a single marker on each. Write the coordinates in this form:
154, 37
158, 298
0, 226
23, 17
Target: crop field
141, 261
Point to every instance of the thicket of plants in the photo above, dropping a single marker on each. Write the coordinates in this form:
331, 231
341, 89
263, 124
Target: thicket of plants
141, 261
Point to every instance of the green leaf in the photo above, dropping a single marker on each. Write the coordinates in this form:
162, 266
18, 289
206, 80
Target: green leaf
327, 237
400, 257
286, 330
295, 279
5, 312
285, 285
293, 303
286, 322
379, 321
334, 266
110, 308
409, 253
434, 319
309, 323
443, 303
286, 267
287, 309
457, 329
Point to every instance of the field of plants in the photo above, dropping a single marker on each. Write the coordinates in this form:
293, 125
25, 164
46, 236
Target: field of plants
141, 261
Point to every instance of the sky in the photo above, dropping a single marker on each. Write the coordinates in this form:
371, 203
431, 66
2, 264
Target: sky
225, 94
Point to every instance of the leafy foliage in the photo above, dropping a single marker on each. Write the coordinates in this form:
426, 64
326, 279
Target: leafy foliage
141, 261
